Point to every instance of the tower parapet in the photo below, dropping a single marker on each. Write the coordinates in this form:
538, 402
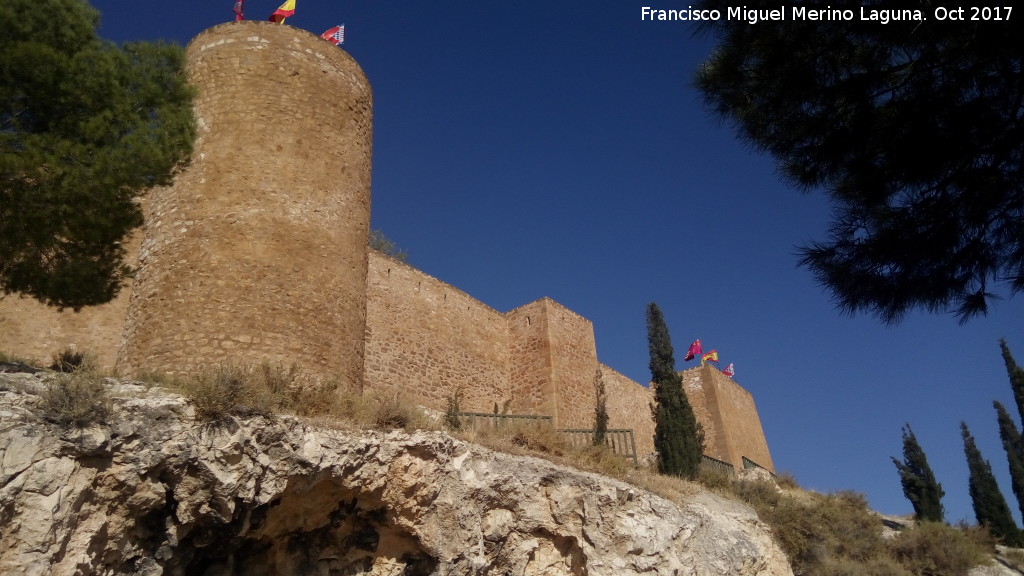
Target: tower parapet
258, 250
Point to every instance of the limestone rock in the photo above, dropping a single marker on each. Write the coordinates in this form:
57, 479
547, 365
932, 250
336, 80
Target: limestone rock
153, 492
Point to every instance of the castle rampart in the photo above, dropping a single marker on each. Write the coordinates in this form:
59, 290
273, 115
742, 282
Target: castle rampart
258, 252
427, 339
263, 237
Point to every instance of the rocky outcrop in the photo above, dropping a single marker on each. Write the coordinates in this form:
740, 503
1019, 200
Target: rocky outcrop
151, 491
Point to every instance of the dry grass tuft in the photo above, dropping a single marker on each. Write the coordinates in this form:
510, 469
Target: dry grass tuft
77, 399
263, 389
70, 360
383, 411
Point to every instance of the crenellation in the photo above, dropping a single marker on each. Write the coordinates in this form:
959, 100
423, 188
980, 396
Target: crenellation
258, 252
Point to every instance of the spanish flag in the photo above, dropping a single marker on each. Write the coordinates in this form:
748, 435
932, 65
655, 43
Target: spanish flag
712, 356
286, 10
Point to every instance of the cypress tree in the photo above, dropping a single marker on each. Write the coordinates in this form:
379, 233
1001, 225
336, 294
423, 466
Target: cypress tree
919, 484
600, 410
677, 437
1016, 374
990, 507
1014, 448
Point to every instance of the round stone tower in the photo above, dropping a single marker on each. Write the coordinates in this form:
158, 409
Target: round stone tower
258, 251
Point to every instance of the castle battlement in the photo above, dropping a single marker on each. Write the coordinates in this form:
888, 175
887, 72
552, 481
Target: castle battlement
258, 252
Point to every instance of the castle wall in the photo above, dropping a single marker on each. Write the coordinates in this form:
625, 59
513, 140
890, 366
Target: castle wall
629, 406
35, 332
258, 250
732, 426
573, 356
258, 253
530, 360
426, 339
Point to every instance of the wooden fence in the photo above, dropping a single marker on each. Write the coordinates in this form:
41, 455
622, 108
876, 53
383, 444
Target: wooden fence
477, 420
621, 441
716, 465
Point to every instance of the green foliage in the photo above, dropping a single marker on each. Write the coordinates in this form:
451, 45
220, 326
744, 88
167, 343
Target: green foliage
1014, 448
381, 243
912, 128
1016, 374
600, 410
77, 399
990, 507
1013, 444
451, 415
85, 127
678, 438
919, 484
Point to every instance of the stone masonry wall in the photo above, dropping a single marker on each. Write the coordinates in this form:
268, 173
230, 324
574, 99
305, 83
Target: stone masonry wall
35, 332
573, 366
629, 406
426, 339
258, 250
530, 360
739, 418
702, 401
732, 426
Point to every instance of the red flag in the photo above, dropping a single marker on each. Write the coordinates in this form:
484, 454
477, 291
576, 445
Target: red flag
729, 370
335, 35
693, 352
239, 7
712, 356
284, 11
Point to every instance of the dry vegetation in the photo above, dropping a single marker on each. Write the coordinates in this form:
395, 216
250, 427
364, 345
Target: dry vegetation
75, 399
824, 535
838, 535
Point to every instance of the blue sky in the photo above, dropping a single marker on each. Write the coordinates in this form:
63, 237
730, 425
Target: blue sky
529, 149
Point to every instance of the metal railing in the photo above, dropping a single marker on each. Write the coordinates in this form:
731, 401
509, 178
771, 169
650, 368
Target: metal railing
621, 441
716, 465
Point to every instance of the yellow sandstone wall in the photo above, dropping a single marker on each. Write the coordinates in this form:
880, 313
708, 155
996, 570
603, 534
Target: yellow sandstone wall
629, 406
35, 332
732, 426
258, 250
426, 339
531, 386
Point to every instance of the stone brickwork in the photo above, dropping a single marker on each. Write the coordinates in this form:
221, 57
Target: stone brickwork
573, 353
629, 406
732, 427
258, 252
426, 339
530, 360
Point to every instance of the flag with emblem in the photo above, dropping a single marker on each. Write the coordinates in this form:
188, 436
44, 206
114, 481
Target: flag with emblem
239, 8
335, 35
693, 352
284, 11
